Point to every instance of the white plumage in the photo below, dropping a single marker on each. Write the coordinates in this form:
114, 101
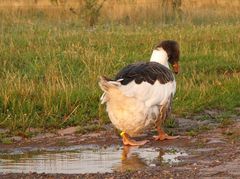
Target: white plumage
131, 108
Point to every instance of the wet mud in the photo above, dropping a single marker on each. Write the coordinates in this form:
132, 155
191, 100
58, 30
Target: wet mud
210, 153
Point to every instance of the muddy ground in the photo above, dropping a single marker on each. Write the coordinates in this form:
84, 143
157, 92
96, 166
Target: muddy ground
213, 150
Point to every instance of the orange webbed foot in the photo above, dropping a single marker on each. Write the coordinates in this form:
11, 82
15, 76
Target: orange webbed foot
165, 137
128, 141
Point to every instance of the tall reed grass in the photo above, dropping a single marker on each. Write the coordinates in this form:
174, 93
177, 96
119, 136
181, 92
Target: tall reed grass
133, 11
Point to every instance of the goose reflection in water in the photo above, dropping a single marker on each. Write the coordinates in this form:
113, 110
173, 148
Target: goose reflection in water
135, 158
130, 160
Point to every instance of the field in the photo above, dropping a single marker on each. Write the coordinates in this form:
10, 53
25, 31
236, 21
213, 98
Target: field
51, 60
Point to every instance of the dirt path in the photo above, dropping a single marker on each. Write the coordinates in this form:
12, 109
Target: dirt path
212, 153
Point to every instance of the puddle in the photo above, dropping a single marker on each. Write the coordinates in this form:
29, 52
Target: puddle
86, 159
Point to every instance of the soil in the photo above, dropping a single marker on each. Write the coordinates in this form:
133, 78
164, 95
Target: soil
214, 151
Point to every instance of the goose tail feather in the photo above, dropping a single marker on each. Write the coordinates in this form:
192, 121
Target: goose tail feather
106, 84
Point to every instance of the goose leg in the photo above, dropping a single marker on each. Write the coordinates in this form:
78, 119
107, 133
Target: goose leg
161, 134
128, 141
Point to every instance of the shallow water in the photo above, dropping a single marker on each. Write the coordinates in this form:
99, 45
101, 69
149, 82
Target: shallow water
86, 159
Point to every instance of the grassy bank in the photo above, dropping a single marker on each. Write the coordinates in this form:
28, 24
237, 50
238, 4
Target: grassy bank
50, 68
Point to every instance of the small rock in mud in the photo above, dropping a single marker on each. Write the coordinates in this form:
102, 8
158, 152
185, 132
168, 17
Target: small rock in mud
34, 130
42, 136
92, 135
186, 124
16, 138
205, 149
216, 141
67, 131
213, 113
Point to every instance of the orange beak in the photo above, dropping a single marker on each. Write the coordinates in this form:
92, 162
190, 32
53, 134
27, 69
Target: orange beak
175, 68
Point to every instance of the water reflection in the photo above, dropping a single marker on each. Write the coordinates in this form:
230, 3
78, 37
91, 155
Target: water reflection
134, 158
131, 161
90, 159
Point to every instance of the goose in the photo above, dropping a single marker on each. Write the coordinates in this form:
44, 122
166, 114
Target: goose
141, 94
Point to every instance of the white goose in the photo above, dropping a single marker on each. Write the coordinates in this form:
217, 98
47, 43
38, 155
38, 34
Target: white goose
141, 94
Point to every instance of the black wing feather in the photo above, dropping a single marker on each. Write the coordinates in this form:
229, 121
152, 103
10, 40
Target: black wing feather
145, 71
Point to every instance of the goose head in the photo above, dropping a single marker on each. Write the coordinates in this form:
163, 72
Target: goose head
167, 52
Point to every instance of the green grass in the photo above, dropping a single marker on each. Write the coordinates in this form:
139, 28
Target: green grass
49, 68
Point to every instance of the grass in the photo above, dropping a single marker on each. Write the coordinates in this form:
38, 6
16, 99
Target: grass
6, 141
50, 67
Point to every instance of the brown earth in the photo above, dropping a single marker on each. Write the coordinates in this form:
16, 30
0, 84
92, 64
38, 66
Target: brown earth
214, 151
